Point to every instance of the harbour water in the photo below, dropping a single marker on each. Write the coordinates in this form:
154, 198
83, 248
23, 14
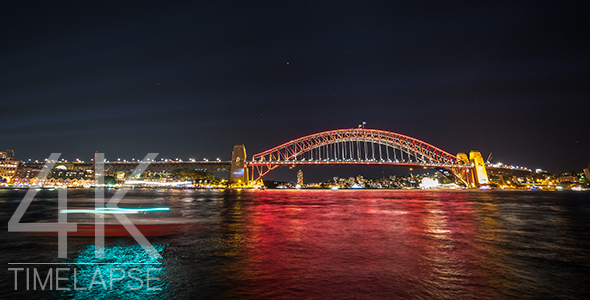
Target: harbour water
323, 244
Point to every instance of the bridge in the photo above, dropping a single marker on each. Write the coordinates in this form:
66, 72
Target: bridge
357, 146
351, 146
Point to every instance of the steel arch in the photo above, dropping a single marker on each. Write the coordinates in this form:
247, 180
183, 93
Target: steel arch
424, 153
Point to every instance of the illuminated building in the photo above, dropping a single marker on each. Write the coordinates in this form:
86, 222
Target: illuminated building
63, 172
569, 178
587, 172
8, 166
300, 178
27, 172
360, 179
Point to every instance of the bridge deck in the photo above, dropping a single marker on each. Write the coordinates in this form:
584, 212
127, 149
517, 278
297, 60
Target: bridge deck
353, 163
118, 166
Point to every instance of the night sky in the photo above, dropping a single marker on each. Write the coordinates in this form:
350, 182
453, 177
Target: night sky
193, 79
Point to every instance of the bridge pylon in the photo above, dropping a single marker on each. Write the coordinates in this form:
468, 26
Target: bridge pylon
238, 175
479, 167
475, 175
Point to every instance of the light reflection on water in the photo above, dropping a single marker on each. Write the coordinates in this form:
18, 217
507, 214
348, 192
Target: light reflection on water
340, 244
94, 274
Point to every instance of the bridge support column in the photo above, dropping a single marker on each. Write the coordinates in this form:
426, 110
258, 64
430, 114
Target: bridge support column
238, 175
481, 175
464, 173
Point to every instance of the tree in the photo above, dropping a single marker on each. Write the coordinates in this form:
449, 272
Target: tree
110, 180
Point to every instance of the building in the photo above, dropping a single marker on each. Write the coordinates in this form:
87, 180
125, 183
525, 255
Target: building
569, 178
587, 173
63, 172
6, 154
26, 172
8, 166
300, 178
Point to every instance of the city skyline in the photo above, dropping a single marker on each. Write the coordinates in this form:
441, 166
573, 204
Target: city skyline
342, 156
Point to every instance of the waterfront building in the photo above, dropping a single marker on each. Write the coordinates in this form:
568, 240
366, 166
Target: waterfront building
8, 166
63, 172
568, 178
26, 172
300, 178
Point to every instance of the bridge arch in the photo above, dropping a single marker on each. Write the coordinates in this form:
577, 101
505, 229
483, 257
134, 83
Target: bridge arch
352, 146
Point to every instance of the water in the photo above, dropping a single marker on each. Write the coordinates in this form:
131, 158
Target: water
331, 245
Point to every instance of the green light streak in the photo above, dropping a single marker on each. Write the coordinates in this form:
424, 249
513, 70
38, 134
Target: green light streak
112, 210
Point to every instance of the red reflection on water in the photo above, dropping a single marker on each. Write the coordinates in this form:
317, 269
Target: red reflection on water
364, 243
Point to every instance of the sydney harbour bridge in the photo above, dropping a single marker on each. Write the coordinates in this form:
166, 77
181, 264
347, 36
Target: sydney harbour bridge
352, 146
